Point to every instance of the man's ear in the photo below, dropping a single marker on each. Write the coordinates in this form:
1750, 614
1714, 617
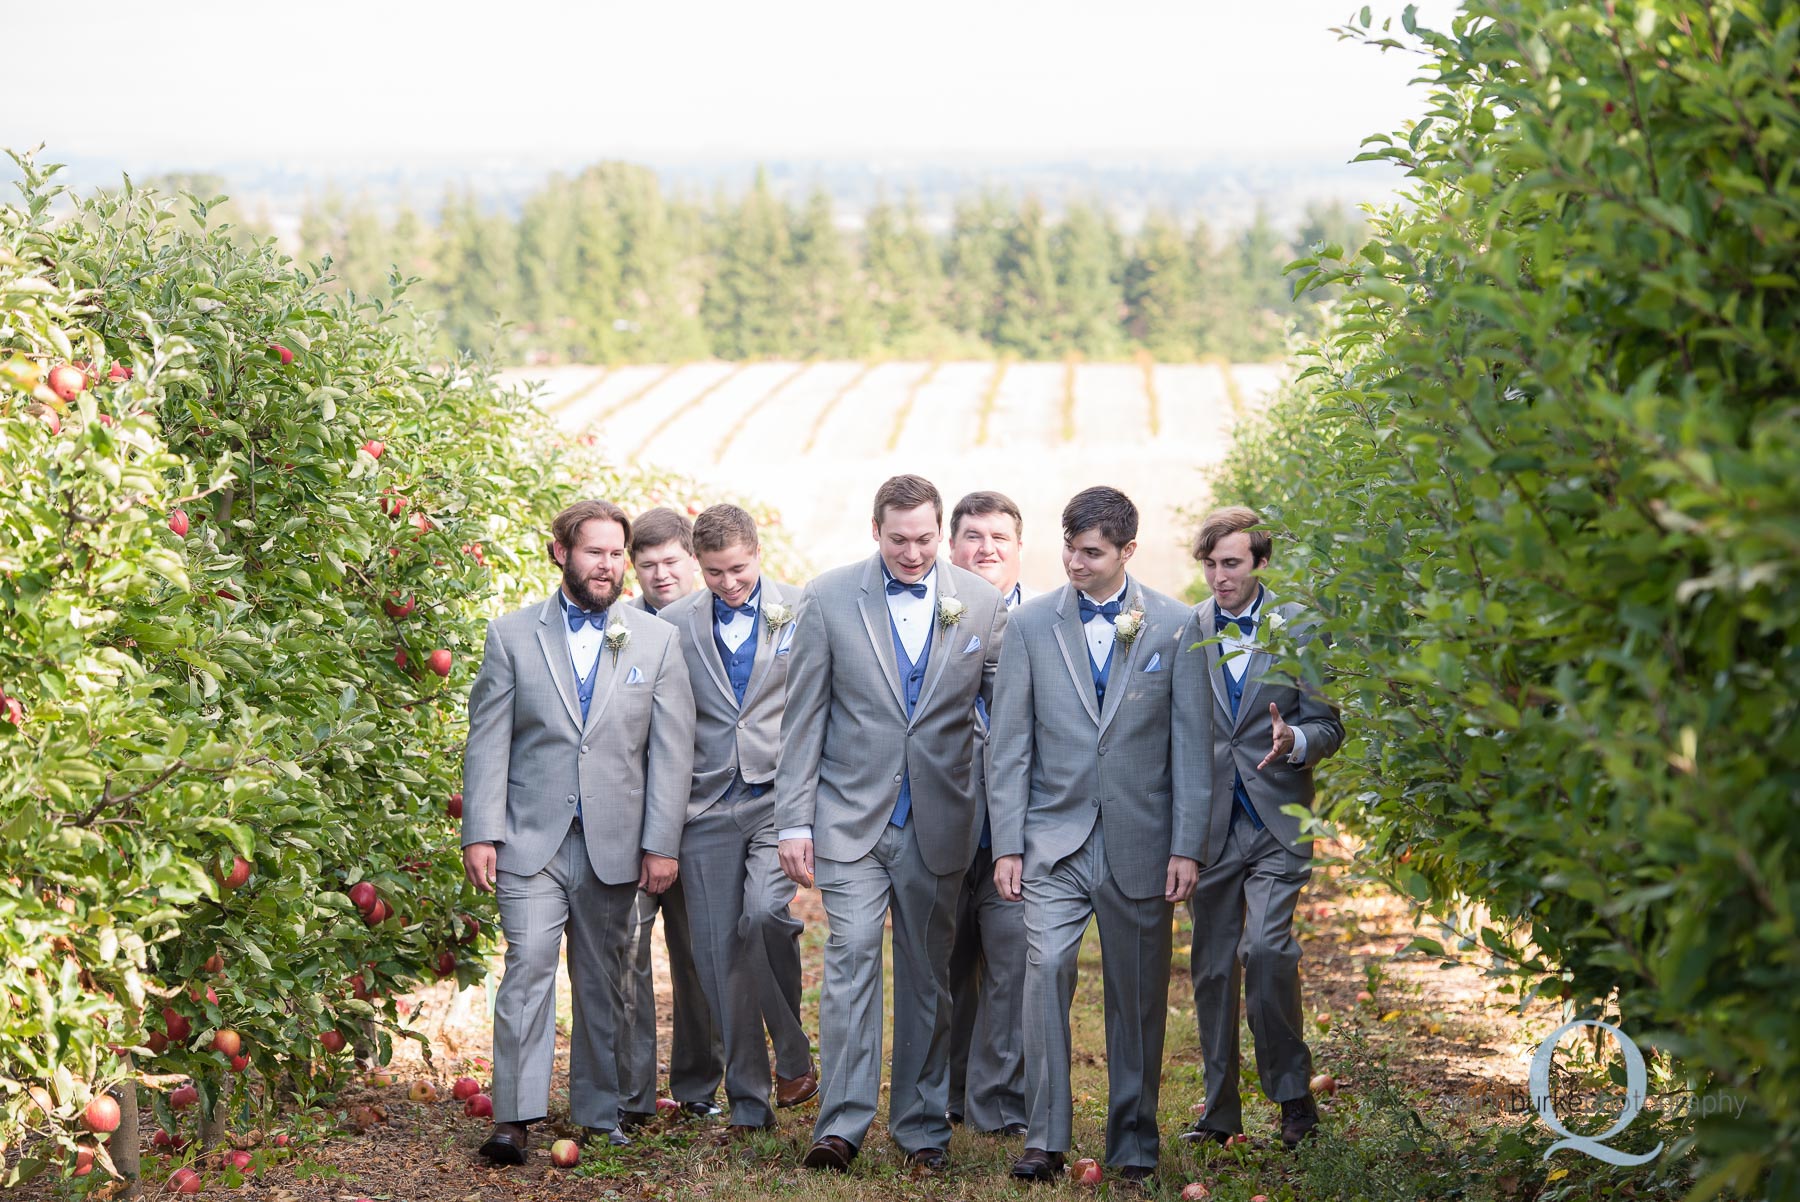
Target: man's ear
1127, 551
558, 553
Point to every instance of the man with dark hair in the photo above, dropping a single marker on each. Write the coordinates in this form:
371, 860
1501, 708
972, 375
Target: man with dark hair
1088, 825
1253, 856
987, 961
737, 634
875, 779
662, 558
575, 776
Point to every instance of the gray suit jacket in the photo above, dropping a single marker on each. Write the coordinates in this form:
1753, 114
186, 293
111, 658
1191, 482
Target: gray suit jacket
846, 739
981, 738
1057, 761
529, 755
1203, 714
730, 741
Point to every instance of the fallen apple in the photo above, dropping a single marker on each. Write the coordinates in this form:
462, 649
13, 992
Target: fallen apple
1323, 1020
1194, 1191
1324, 1083
239, 1159
380, 1079
565, 1153
1085, 1171
465, 1088
1234, 1140
185, 1181
667, 1105
422, 1091
479, 1106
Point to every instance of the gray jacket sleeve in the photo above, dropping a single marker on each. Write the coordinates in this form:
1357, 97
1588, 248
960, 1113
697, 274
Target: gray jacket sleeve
670, 749
803, 718
1191, 740
1011, 729
488, 752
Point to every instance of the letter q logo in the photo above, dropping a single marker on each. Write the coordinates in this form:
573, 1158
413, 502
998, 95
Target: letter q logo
1636, 1082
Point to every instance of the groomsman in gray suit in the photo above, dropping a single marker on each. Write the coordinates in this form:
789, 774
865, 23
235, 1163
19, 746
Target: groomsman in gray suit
874, 794
1266, 736
1089, 825
737, 634
662, 559
575, 783
987, 961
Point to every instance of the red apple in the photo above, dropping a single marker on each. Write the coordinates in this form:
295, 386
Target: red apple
214, 963
359, 989
227, 1041
439, 661
400, 657
195, 993
392, 503
667, 1105
157, 1042
240, 872
177, 1025
1323, 1020
377, 914
1324, 1083
420, 522
422, 1091
381, 1079
565, 1153
1364, 997
282, 352
373, 449
454, 809
239, 1159
1195, 1191
1259, 1198
118, 371
1234, 1140
166, 1142
479, 1106
239, 1063
363, 896
178, 522
183, 1097
446, 964
332, 1041
1085, 1171
279, 1139
185, 1181
398, 608
67, 382
471, 928
465, 1088
101, 1115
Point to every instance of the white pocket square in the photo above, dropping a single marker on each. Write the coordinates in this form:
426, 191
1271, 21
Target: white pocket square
1155, 664
974, 644
787, 642
634, 677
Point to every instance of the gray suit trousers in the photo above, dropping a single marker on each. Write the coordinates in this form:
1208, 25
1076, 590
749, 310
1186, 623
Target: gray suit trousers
1135, 947
859, 896
746, 945
1244, 936
534, 912
696, 1056
987, 1003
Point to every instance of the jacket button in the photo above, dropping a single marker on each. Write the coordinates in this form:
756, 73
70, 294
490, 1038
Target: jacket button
571, 799
1096, 803
743, 725
1103, 749
584, 749
897, 777
1234, 742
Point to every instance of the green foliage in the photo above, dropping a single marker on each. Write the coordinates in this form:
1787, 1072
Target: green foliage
1542, 482
253, 685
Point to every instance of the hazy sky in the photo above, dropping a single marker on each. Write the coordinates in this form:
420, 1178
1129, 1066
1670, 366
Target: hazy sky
161, 84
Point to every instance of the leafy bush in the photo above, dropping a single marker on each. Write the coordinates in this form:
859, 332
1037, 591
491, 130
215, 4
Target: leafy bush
1542, 483
244, 567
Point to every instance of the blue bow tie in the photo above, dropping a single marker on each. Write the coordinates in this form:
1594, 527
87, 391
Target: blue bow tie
1109, 611
896, 587
1245, 624
723, 611
577, 616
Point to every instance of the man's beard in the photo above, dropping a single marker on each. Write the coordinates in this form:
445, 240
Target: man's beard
586, 594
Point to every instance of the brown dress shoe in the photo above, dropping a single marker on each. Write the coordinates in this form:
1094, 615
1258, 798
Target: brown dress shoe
830, 1152
1299, 1119
928, 1160
1038, 1165
738, 1133
506, 1144
791, 1091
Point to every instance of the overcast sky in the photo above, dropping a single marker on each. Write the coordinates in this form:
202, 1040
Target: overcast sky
195, 81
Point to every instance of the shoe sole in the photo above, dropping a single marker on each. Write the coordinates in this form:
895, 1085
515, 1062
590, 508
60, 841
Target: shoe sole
802, 1100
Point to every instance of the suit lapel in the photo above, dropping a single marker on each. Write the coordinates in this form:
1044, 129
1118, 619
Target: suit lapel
939, 649
1124, 659
874, 610
765, 647
1257, 667
1072, 640
607, 675
555, 646
1215, 670
701, 631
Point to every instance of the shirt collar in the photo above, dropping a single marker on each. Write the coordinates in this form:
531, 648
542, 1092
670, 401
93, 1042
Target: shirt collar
1118, 596
1013, 598
755, 601
570, 607
929, 579
1254, 610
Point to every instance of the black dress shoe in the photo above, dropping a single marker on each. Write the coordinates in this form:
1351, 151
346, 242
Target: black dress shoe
1011, 1130
1299, 1119
1038, 1165
702, 1110
830, 1152
613, 1136
928, 1160
631, 1120
506, 1144
1198, 1134
953, 1117
1139, 1176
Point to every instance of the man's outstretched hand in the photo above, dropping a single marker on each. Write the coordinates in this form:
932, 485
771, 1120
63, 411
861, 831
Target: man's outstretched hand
1284, 738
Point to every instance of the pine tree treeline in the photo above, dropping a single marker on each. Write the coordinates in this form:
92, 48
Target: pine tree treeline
604, 267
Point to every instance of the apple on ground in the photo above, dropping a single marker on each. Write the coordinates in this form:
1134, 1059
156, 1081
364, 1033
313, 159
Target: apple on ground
422, 1091
1235, 1140
1259, 1198
479, 1106
101, 1115
465, 1088
667, 1105
380, 1079
239, 1159
279, 1139
1195, 1191
565, 1153
1324, 1083
1323, 1020
1085, 1171
1364, 997
185, 1181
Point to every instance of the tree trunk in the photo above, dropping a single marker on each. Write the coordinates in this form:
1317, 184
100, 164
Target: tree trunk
123, 1146
212, 1127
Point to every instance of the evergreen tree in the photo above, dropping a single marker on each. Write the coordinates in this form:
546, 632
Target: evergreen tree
747, 306
1027, 286
1161, 291
978, 239
1089, 273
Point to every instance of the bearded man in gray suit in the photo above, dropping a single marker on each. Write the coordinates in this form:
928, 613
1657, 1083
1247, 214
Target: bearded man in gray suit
874, 795
987, 961
575, 783
737, 634
1089, 825
1266, 735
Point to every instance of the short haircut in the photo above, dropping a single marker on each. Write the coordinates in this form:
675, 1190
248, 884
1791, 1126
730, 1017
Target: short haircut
566, 526
1229, 520
981, 504
724, 526
1106, 509
907, 492
661, 525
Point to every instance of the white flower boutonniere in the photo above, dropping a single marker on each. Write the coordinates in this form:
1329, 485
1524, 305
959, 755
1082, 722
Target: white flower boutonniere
1127, 626
775, 616
950, 611
1276, 622
616, 637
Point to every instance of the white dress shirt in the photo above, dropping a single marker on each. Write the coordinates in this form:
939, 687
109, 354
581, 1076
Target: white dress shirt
1233, 639
584, 642
913, 615
734, 632
1100, 632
